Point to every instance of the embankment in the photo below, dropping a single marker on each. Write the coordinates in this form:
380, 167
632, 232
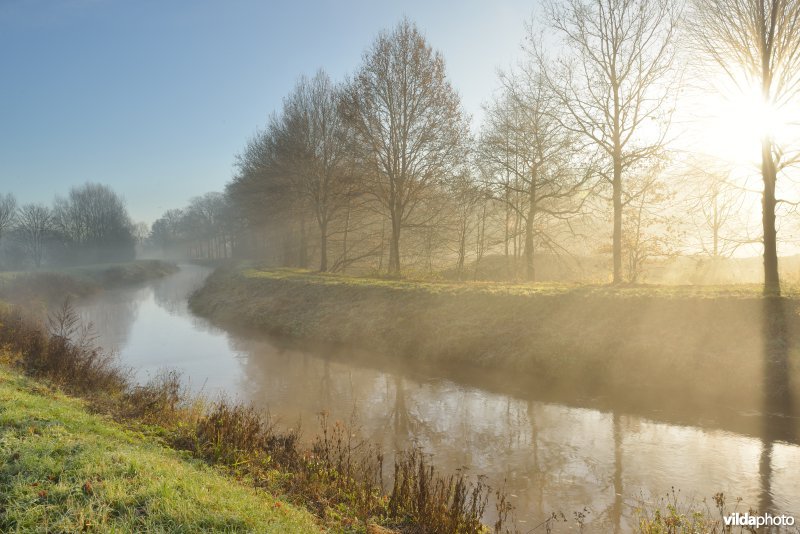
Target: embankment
725, 346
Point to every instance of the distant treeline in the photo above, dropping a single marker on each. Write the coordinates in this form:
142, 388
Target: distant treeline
382, 173
89, 225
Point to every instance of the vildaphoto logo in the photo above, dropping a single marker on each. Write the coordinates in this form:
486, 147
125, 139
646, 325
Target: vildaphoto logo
761, 520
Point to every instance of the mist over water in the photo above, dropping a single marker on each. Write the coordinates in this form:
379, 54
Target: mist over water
550, 453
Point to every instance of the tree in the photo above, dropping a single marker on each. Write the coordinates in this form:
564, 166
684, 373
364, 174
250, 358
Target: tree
140, 232
650, 229
409, 128
8, 213
207, 222
613, 81
94, 221
757, 44
265, 198
715, 206
523, 138
465, 196
310, 144
165, 232
35, 224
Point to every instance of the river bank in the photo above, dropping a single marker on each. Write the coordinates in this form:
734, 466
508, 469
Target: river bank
724, 345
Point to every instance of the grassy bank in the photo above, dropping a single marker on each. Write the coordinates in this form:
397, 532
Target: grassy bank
718, 345
54, 285
63, 469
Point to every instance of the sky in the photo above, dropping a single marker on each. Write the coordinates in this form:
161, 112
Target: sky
155, 98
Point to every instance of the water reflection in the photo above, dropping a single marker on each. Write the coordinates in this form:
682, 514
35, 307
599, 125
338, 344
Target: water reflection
778, 402
604, 456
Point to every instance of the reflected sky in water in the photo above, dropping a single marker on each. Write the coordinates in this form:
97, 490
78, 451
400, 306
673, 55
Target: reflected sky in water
549, 456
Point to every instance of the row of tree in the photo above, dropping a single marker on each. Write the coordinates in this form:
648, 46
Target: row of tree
89, 225
382, 169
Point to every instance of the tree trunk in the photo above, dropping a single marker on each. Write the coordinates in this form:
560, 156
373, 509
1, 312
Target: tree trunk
530, 272
394, 247
462, 251
772, 284
617, 239
323, 247
302, 258
344, 238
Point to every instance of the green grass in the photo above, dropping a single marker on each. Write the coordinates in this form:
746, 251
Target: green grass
63, 469
514, 288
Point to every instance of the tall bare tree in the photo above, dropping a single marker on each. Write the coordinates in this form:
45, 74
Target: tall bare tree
311, 149
409, 126
614, 83
35, 223
523, 138
757, 43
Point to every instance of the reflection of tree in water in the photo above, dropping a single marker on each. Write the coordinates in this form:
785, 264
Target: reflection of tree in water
294, 384
616, 510
399, 415
172, 292
778, 414
112, 313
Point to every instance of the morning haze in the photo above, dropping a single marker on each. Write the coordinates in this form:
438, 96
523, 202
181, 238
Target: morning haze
400, 267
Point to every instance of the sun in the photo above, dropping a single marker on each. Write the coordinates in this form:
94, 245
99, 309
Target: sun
735, 118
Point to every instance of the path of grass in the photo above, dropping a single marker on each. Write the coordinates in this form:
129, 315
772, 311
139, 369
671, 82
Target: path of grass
515, 288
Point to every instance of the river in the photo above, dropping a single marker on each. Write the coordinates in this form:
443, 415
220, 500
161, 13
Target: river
576, 456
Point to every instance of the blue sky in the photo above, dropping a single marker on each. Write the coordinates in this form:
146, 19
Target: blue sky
156, 97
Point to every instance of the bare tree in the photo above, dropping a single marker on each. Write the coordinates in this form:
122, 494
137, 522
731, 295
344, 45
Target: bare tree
141, 231
715, 207
8, 213
311, 149
95, 222
524, 139
465, 197
613, 81
757, 43
408, 124
267, 200
651, 231
35, 224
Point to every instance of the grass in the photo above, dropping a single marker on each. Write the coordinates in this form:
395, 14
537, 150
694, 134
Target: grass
424, 285
63, 469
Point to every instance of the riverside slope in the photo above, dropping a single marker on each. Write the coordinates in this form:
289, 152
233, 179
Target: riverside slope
724, 345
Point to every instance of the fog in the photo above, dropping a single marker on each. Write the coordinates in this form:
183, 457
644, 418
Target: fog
588, 292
